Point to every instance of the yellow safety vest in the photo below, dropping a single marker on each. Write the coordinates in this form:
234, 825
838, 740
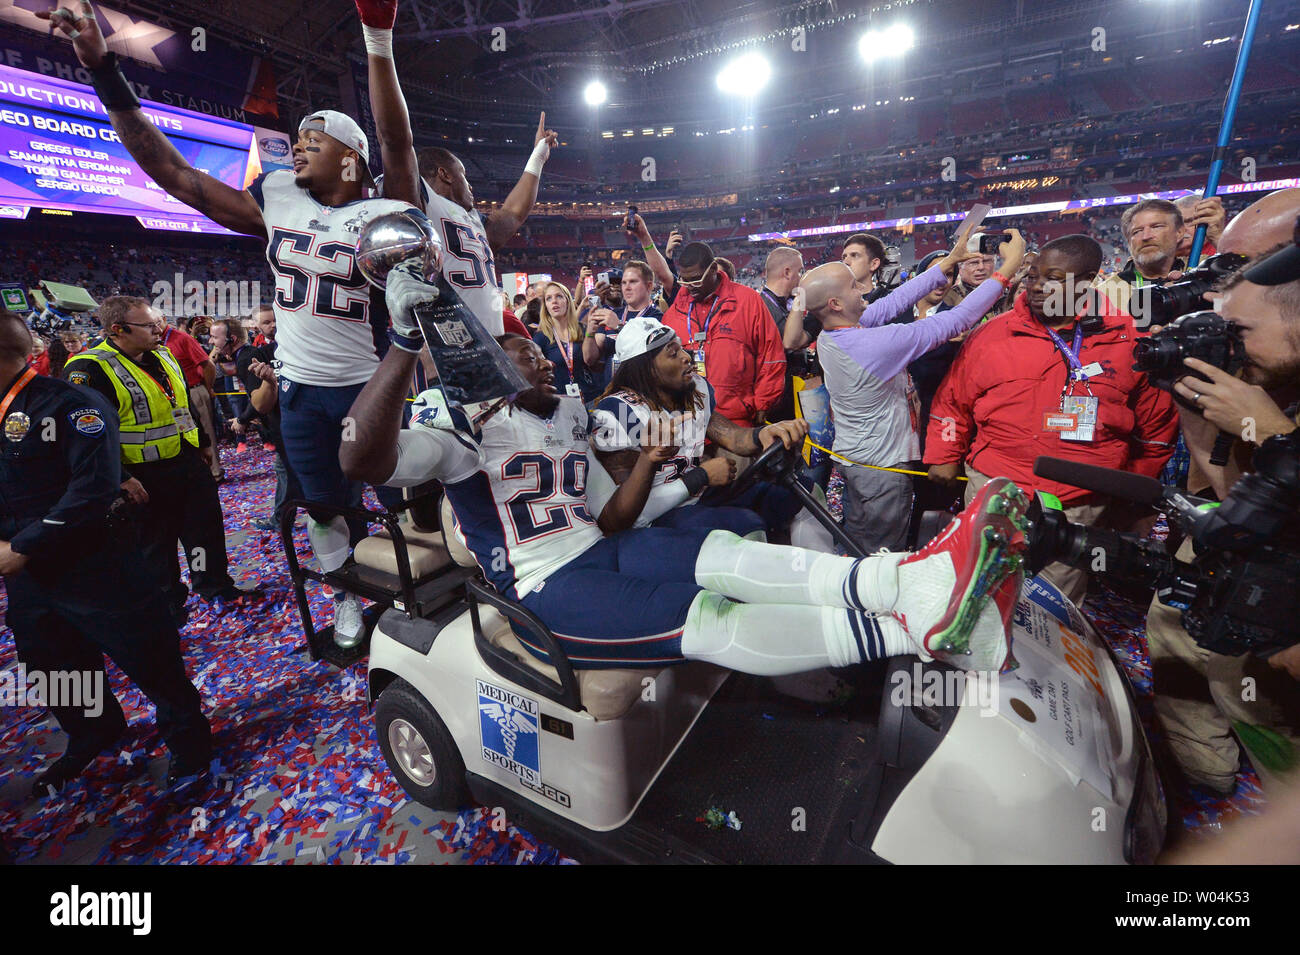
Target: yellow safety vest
151, 425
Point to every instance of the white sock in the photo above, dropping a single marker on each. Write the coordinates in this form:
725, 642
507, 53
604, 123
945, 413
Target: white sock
777, 639
776, 574
329, 542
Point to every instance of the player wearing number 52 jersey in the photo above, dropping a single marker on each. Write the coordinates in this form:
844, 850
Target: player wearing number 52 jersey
310, 217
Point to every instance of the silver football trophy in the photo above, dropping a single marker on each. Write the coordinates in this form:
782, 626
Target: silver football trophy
472, 367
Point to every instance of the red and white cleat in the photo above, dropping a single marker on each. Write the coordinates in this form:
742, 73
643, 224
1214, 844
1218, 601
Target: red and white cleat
944, 588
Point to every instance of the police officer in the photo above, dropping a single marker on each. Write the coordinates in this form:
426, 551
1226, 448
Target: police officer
75, 591
165, 456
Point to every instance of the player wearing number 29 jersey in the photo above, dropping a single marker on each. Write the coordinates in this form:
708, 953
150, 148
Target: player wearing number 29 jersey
521, 501
331, 325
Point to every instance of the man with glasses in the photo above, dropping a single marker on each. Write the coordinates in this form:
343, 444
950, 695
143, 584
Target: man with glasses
165, 457
730, 336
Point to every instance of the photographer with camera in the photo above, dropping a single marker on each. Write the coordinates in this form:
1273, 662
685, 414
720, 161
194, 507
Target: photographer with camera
970, 275
1154, 229
1051, 377
1200, 695
602, 322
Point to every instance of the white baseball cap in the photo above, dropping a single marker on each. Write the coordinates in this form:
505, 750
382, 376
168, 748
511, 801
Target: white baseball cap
640, 336
339, 126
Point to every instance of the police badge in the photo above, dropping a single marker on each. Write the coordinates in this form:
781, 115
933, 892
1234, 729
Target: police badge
17, 425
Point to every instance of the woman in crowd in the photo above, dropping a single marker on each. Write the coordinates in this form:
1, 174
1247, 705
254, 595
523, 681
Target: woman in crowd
559, 336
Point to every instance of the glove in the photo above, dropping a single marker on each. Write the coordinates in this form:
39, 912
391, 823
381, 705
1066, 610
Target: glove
404, 290
381, 14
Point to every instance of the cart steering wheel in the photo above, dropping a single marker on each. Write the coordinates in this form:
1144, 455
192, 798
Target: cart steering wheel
775, 463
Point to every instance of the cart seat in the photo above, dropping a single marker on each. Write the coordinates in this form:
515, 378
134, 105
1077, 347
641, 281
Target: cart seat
424, 549
606, 694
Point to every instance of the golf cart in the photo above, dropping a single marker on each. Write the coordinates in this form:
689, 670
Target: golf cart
892, 761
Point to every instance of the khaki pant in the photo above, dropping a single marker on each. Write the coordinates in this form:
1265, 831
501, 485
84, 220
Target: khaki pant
1199, 694
1070, 581
201, 407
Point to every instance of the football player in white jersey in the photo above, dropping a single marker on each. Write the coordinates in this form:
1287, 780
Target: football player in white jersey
443, 191
330, 333
655, 387
651, 596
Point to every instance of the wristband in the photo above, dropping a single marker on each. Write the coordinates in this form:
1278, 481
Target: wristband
111, 86
538, 159
407, 343
379, 41
1002, 279
696, 480
648, 248
756, 434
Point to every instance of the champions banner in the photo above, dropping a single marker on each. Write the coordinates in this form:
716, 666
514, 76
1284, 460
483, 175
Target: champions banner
188, 70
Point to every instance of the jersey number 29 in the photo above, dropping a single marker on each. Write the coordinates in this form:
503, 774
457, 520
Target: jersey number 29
525, 505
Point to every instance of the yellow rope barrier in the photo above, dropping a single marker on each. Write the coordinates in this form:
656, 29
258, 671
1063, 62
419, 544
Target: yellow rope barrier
875, 467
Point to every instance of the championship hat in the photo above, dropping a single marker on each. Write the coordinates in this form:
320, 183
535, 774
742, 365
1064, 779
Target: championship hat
341, 127
640, 336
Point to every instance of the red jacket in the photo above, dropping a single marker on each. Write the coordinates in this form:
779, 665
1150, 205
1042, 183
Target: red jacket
989, 409
744, 359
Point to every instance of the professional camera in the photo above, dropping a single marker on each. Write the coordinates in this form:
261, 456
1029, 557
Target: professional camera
890, 274
1241, 592
1203, 335
1161, 304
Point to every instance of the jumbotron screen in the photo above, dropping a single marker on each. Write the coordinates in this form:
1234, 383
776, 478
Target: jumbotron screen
58, 150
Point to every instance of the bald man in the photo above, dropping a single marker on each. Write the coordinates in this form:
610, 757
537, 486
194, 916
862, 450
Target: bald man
865, 370
1199, 694
781, 273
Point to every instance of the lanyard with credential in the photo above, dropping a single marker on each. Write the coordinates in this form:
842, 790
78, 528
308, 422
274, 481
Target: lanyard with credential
18, 386
1071, 354
690, 312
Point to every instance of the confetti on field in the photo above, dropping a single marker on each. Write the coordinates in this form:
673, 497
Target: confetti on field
298, 776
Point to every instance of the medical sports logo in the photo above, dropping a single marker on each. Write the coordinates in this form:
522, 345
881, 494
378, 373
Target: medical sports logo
508, 730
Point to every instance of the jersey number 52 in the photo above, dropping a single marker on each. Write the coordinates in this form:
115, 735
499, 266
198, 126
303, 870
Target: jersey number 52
326, 278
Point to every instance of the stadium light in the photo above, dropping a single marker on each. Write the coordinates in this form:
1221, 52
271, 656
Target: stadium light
746, 74
595, 93
890, 42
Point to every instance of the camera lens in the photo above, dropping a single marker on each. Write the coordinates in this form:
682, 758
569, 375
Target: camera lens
1157, 354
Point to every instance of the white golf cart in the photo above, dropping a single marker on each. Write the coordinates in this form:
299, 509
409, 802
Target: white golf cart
909, 762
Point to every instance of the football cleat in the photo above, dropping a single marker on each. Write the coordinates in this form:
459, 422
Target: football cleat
944, 587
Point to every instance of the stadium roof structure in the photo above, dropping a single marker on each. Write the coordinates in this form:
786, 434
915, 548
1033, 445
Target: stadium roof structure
490, 64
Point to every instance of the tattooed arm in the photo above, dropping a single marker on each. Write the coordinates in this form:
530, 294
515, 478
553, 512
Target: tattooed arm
235, 209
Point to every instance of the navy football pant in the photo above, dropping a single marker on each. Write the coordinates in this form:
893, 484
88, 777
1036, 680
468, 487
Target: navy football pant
622, 602
311, 424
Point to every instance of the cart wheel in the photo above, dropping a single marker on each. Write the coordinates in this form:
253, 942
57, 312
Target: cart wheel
419, 750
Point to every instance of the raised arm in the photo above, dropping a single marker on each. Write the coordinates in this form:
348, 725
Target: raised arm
236, 209
505, 222
885, 310
653, 257
392, 121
